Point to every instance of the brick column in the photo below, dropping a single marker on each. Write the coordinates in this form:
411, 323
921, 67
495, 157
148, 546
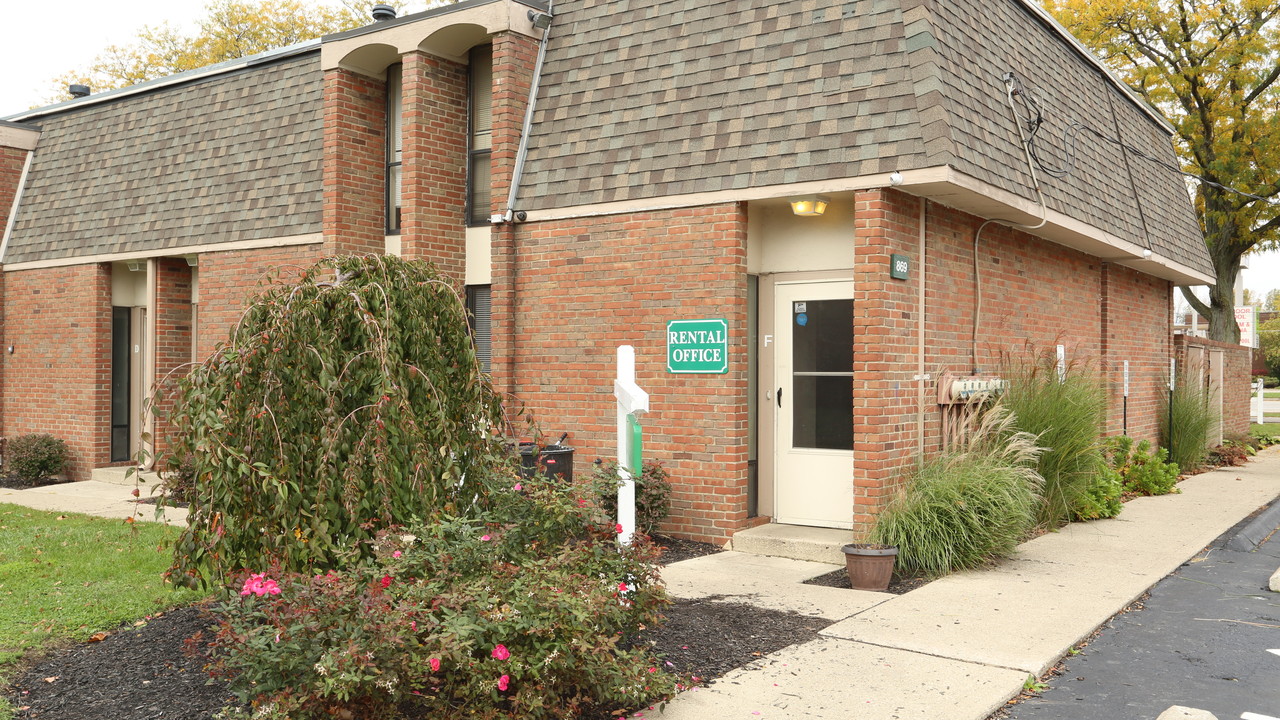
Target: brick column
514, 57
435, 163
173, 338
885, 314
355, 163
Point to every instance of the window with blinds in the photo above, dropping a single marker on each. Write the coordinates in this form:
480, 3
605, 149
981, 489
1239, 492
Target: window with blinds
395, 83
478, 319
480, 143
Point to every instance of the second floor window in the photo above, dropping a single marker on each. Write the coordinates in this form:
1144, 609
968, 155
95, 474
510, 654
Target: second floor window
480, 144
395, 84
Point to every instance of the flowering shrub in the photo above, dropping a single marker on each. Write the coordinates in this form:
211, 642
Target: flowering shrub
521, 611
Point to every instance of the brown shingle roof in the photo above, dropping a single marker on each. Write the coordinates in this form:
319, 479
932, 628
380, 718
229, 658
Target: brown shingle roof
233, 157
650, 98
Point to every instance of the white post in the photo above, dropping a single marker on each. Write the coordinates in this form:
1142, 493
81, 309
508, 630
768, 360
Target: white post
1260, 389
631, 400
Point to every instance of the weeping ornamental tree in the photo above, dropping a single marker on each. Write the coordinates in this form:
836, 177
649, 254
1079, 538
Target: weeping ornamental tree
340, 405
1211, 66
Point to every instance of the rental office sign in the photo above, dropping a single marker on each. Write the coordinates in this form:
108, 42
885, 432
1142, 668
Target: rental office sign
698, 346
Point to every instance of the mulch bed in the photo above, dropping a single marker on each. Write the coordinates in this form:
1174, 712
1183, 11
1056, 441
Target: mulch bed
142, 673
840, 579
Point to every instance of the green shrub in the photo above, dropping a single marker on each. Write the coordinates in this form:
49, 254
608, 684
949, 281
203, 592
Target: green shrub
349, 402
967, 506
1184, 430
1270, 381
1103, 498
1067, 418
35, 457
1140, 470
521, 611
653, 493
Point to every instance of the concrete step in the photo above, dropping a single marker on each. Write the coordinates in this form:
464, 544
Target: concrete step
121, 476
793, 541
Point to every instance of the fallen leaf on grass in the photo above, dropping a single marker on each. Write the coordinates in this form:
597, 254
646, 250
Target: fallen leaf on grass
99, 636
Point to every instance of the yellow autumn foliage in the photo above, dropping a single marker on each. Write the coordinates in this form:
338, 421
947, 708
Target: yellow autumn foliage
1211, 66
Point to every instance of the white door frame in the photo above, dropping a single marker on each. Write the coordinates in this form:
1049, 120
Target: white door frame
811, 486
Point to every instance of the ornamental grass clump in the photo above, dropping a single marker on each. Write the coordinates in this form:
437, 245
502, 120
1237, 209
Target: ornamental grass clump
521, 611
1184, 428
1066, 413
969, 505
343, 403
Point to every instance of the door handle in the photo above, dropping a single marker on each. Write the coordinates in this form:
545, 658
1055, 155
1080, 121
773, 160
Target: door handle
779, 397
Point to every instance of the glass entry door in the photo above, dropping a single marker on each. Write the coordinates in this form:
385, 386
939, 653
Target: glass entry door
813, 400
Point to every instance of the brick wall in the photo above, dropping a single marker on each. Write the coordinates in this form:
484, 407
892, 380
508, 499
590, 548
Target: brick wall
58, 379
355, 162
1235, 377
229, 279
435, 162
1035, 295
514, 57
1136, 326
172, 336
884, 346
585, 287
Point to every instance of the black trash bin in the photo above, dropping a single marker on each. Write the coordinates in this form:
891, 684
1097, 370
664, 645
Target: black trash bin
553, 461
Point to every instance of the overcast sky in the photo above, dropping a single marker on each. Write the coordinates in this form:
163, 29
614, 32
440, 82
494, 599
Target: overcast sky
39, 42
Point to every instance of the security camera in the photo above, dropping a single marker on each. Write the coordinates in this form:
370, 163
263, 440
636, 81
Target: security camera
895, 178
521, 216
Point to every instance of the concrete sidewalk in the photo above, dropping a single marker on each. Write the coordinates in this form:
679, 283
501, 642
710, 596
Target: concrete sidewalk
94, 497
961, 646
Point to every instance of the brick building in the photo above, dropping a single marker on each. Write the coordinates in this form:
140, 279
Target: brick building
844, 185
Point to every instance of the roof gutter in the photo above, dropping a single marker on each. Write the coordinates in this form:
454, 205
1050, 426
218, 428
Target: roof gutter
13, 209
523, 151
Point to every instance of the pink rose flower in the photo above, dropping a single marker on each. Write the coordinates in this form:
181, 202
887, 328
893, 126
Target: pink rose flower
504, 682
385, 582
518, 487
618, 528
259, 584
435, 664
485, 538
396, 554
622, 587
500, 652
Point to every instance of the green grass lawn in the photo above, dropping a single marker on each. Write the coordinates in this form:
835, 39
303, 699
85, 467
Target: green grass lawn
65, 576
1272, 429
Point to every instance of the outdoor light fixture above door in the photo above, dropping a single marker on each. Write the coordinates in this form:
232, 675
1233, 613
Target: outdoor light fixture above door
809, 205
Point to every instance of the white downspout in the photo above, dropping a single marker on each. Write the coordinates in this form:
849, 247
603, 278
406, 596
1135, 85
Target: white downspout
921, 378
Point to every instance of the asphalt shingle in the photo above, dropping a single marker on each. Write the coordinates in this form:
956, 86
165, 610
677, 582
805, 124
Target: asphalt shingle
635, 94
234, 157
